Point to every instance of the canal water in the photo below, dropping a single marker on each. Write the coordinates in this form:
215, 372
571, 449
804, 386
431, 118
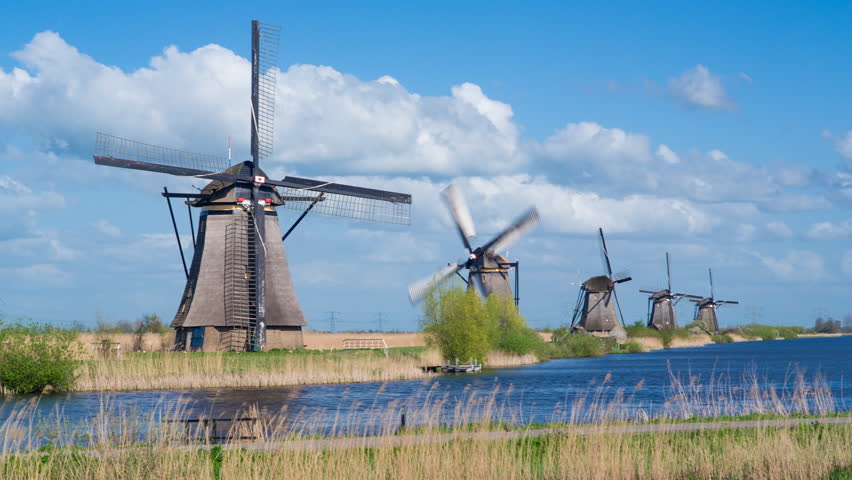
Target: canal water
809, 374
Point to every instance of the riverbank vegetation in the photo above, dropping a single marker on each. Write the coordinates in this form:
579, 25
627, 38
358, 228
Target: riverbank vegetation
800, 452
35, 357
598, 439
465, 327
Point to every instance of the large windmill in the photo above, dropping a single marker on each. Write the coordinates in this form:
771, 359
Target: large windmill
662, 302
488, 271
594, 310
705, 308
239, 293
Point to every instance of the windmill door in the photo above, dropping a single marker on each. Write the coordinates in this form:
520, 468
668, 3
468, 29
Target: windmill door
196, 338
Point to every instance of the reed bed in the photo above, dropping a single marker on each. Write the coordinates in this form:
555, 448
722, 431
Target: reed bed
178, 370
468, 444
164, 371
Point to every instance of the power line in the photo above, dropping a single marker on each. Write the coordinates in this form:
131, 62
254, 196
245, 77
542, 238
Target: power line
332, 317
379, 318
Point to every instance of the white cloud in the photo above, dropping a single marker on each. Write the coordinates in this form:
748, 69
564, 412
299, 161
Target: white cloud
42, 273
745, 232
666, 154
591, 142
842, 143
194, 100
496, 201
779, 229
699, 88
106, 228
798, 265
745, 77
829, 230
392, 247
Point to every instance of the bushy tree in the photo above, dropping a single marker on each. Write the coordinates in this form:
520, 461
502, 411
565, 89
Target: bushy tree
33, 357
455, 319
508, 330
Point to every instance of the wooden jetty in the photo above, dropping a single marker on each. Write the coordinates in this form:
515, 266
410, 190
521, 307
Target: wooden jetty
470, 367
207, 429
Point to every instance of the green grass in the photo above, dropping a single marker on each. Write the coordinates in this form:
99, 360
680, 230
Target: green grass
639, 330
724, 338
771, 332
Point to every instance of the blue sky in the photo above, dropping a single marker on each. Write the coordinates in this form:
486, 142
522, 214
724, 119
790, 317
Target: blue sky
720, 133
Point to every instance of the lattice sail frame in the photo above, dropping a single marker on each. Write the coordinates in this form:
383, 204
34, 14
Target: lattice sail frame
358, 208
266, 63
111, 146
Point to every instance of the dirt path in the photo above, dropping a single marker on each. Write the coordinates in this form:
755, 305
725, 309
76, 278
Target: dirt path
411, 440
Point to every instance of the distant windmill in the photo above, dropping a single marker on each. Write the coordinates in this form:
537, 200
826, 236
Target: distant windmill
705, 308
594, 310
661, 303
239, 294
488, 270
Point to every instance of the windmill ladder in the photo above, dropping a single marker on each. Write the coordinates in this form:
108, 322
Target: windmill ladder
240, 286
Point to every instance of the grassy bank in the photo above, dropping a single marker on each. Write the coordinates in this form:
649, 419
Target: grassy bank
806, 451
472, 442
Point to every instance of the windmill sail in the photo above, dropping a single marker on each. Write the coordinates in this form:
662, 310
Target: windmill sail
598, 301
662, 302
265, 43
120, 152
705, 308
239, 283
488, 271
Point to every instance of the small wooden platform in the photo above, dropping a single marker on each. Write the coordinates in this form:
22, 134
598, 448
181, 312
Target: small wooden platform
454, 368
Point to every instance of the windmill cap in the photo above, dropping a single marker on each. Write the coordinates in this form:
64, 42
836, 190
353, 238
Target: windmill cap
228, 192
601, 283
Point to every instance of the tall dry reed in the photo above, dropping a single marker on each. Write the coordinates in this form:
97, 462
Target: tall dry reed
162, 371
122, 446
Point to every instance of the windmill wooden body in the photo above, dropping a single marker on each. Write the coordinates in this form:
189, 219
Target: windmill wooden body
595, 308
488, 271
705, 308
239, 292
662, 302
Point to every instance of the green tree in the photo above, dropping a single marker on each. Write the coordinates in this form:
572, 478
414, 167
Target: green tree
508, 330
33, 357
455, 319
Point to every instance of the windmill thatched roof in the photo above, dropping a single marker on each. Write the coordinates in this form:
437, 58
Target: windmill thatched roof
601, 283
228, 192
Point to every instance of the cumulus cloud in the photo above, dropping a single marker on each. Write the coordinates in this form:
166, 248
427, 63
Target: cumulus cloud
829, 230
698, 88
842, 143
590, 142
799, 265
666, 154
779, 229
745, 232
106, 228
42, 273
392, 247
194, 100
496, 201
